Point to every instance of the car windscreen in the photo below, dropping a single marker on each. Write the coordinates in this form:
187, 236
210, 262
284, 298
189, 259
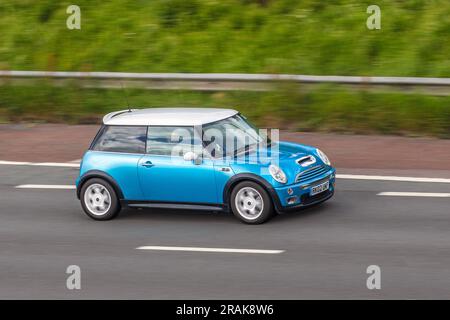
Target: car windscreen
230, 136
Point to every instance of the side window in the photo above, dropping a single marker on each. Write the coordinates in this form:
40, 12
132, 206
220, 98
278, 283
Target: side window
122, 139
169, 141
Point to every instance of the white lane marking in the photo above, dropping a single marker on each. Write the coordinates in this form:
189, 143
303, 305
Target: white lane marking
199, 249
339, 176
414, 194
40, 164
56, 164
15, 163
392, 178
44, 186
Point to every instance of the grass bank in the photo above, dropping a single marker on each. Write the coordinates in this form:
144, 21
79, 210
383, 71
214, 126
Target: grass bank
327, 108
243, 36
247, 36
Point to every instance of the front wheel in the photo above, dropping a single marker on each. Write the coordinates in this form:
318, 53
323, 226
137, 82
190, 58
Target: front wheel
99, 200
250, 203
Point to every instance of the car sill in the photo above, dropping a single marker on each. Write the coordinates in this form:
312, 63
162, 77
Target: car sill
165, 205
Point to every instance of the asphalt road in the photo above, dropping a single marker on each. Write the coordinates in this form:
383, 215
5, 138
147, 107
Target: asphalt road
327, 248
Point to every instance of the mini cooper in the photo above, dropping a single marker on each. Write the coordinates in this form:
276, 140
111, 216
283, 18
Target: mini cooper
201, 159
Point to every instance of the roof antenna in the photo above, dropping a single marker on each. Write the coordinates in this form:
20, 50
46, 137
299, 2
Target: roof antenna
126, 96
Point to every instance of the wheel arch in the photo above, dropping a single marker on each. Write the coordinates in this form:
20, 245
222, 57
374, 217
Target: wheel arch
102, 175
233, 181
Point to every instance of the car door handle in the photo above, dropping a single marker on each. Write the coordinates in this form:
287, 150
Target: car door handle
147, 164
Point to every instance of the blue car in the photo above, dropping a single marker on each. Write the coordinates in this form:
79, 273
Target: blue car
201, 159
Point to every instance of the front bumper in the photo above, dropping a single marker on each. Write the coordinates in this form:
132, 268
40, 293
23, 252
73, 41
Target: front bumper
295, 196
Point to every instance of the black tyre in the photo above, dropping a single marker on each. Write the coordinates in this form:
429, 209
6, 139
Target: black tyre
250, 203
99, 200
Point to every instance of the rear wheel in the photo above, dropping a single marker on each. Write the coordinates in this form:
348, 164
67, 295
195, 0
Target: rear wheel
99, 200
250, 203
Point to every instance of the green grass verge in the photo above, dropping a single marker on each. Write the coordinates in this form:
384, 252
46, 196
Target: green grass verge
247, 36
327, 108
243, 36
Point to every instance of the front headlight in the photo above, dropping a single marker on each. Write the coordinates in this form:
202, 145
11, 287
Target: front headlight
277, 173
323, 156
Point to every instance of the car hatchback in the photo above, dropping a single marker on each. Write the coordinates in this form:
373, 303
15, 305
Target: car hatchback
201, 159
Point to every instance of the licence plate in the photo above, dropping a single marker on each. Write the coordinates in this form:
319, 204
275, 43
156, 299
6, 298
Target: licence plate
320, 188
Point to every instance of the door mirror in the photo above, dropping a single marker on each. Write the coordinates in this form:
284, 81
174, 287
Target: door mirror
192, 156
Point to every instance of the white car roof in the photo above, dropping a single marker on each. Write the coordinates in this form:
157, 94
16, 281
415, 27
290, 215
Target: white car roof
167, 116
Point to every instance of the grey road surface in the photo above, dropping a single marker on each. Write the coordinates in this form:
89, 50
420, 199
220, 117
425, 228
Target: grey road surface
327, 248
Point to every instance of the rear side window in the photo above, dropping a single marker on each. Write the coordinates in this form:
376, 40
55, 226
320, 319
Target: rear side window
121, 139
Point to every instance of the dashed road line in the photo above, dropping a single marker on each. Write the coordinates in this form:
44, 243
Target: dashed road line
414, 194
40, 164
44, 186
74, 164
201, 249
56, 164
15, 163
392, 178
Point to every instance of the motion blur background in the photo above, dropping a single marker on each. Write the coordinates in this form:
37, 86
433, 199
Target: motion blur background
237, 36
390, 145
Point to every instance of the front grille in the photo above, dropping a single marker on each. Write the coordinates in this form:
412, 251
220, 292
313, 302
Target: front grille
310, 174
307, 199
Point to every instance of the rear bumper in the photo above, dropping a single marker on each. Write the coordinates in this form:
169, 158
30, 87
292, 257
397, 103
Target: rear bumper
77, 184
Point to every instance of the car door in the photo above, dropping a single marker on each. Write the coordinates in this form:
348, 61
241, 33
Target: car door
164, 174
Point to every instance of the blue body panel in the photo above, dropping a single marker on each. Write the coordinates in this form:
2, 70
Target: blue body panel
223, 173
286, 155
122, 167
172, 179
300, 189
